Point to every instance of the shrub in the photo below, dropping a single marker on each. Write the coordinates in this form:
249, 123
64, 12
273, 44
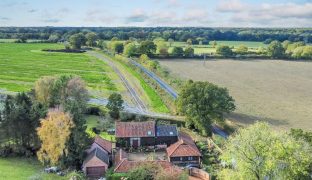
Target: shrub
225, 51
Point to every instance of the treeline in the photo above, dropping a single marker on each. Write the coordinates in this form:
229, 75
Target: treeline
276, 49
47, 122
159, 48
196, 34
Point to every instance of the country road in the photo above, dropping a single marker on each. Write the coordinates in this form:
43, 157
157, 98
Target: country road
139, 104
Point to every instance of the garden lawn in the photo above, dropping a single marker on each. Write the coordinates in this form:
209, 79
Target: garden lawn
24, 169
93, 121
22, 64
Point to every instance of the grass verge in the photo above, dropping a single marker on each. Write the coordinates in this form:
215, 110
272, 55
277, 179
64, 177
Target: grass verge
155, 100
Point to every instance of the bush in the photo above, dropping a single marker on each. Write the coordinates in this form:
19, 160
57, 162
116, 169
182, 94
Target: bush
225, 51
189, 52
5, 151
110, 175
177, 52
93, 110
95, 130
125, 116
76, 175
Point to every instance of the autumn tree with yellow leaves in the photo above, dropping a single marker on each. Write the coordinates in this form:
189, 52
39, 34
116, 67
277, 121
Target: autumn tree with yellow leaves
54, 133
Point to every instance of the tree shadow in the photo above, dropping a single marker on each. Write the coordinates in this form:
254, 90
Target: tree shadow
249, 119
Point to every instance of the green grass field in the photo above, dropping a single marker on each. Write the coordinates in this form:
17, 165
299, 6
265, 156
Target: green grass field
24, 169
13, 40
275, 91
22, 64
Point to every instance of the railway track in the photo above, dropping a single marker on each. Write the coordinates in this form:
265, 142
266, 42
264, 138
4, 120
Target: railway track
139, 104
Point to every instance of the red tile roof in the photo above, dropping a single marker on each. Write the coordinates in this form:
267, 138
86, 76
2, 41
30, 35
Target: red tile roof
135, 129
184, 147
125, 165
120, 155
105, 144
97, 157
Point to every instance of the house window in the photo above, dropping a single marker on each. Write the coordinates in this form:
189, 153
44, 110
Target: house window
190, 158
171, 133
149, 133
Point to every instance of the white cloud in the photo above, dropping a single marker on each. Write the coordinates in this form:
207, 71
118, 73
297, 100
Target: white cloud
278, 15
231, 6
138, 15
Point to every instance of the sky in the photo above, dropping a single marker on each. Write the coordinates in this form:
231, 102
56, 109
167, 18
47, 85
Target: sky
151, 13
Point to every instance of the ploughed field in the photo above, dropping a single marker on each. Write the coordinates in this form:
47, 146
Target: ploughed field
276, 91
22, 64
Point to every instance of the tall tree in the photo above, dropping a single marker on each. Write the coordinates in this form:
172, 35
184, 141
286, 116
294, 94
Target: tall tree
43, 89
91, 38
70, 92
162, 48
77, 40
225, 51
189, 52
115, 105
177, 52
117, 46
276, 50
257, 152
189, 41
54, 134
19, 122
147, 47
130, 49
204, 103
171, 41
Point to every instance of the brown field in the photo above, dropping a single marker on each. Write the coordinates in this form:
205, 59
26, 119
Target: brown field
276, 91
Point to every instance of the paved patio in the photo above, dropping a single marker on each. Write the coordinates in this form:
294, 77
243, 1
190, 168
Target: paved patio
141, 156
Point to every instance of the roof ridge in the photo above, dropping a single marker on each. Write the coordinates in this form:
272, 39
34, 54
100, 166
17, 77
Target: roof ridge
175, 148
194, 148
124, 159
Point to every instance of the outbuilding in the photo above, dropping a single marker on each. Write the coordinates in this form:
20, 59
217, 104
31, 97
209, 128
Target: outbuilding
96, 163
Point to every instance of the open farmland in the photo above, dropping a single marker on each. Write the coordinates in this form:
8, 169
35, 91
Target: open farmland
272, 90
22, 64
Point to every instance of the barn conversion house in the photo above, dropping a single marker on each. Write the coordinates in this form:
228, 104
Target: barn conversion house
135, 134
184, 152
